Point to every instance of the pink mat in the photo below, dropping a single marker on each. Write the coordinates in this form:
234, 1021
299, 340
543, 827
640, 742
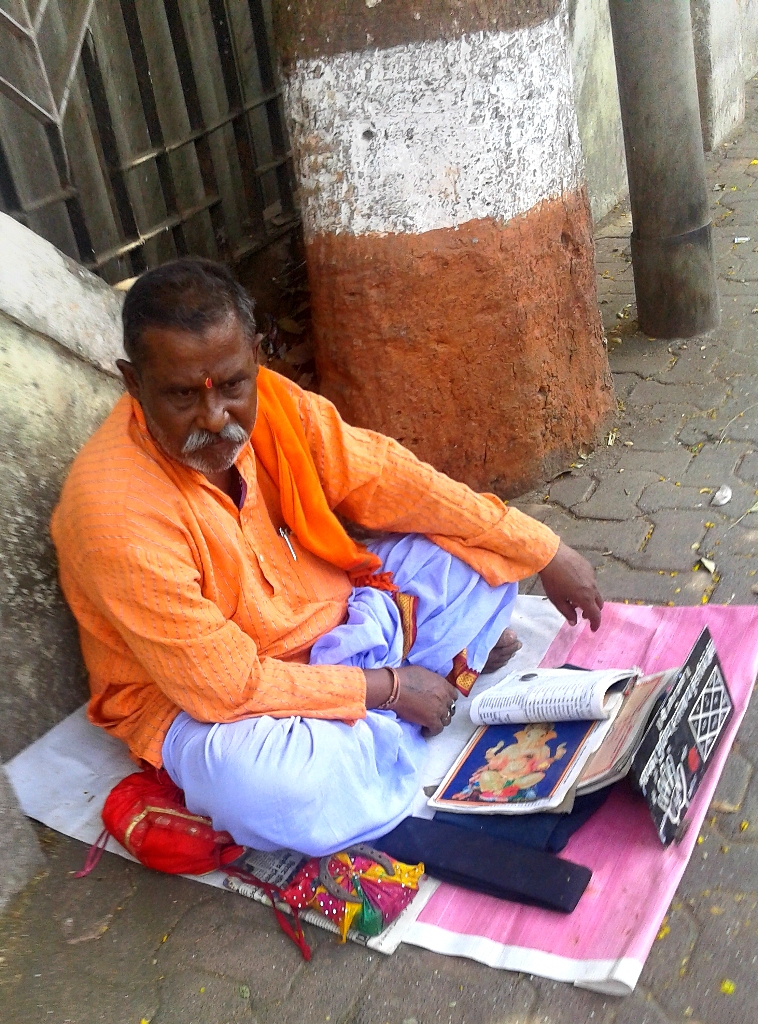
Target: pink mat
604, 943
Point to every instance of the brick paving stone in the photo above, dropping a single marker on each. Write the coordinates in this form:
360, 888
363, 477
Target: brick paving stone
195, 997
671, 949
415, 984
742, 395
670, 546
747, 468
555, 1005
637, 355
621, 538
623, 383
640, 1008
745, 205
742, 826
618, 582
733, 783
570, 490
311, 1001
136, 933
722, 955
64, 927
665, 494
616, 499
537, 510
736, 576
595, 558
742, 538
737, 509
748, 260
737, 327
660, 433
727, 420
60, 994
747, 736
617, 299
239, 939
695, 433
710, 869
671, 464
661, 412
739, 364
742, 500
715, 463
653, 392
692, 365
731, 287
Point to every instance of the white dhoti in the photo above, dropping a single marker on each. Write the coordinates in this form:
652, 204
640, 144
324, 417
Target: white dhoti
318, 786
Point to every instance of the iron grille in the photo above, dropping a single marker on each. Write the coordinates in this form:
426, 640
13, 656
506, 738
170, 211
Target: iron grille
135, 130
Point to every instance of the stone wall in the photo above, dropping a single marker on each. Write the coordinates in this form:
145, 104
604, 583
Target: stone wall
56, 320
59, 335
717, 35
597, 104
749, 10
726, 54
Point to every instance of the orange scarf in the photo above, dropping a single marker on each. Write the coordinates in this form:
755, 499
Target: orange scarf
280, 443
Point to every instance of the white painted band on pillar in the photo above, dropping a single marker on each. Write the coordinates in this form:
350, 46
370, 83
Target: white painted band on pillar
434, 134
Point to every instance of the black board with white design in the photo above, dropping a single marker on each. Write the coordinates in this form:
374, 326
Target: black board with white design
682, 737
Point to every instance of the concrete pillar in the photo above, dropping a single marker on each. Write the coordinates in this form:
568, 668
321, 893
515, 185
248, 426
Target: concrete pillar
447, 229
672, 247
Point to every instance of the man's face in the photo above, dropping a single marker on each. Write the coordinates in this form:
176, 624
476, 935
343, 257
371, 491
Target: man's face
198, 392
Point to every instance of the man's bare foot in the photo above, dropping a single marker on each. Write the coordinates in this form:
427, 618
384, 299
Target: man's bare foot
503, 651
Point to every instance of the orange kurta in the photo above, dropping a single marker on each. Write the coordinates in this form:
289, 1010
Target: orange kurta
186, 602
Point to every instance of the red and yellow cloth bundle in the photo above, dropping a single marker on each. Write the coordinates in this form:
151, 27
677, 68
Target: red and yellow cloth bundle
376, 897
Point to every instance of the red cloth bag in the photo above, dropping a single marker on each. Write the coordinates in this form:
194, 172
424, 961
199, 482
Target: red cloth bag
146, 813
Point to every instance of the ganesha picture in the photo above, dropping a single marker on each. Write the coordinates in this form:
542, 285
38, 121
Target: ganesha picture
512, 772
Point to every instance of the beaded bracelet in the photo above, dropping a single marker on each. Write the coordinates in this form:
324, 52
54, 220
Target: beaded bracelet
392, 699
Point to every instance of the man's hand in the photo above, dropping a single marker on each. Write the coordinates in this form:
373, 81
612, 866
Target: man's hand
424, 697
569, 582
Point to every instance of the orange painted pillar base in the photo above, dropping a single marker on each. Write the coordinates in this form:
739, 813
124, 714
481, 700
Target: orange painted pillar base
448, 233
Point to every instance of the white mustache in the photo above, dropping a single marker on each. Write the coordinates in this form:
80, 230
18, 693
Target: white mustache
199, 439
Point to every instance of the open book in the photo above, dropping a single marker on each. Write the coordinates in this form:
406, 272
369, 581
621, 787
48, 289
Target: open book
551, 695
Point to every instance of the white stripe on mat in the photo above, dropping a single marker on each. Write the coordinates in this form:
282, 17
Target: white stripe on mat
609, 977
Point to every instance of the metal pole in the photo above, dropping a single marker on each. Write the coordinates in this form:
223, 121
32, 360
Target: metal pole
672, 250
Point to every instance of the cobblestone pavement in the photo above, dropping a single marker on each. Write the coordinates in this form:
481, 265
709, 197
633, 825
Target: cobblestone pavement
127, 945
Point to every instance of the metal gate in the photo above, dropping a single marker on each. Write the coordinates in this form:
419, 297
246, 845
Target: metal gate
132, 131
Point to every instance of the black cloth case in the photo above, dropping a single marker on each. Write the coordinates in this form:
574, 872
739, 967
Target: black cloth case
486, 864
540, 831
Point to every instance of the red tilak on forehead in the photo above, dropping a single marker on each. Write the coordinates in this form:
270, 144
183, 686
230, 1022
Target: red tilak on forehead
208, 382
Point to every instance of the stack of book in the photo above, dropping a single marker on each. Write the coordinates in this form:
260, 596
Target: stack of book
548, 735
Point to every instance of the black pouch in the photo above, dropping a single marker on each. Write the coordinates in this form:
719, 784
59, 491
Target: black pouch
485, 864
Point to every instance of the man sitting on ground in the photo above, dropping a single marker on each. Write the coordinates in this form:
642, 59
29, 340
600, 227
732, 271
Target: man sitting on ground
284, 675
